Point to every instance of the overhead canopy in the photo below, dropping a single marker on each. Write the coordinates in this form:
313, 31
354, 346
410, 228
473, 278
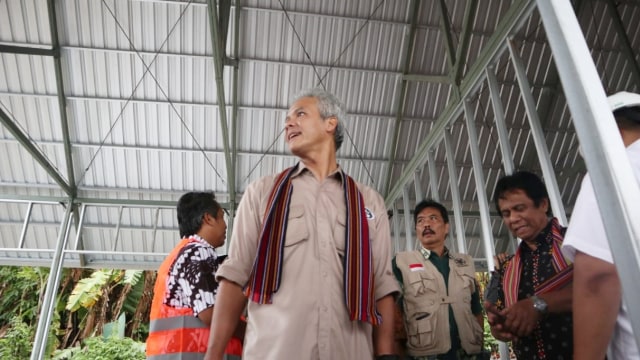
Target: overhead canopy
115, 108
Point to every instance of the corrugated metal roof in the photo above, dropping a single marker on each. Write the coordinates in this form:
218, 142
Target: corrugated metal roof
142, 106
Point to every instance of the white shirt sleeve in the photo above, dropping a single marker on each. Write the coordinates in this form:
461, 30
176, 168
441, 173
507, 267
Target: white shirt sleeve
586, 231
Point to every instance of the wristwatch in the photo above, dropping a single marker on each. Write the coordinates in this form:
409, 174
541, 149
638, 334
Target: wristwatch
539, 305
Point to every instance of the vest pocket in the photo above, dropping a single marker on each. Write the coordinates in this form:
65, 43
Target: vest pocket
421, 282
420, 331
469, 284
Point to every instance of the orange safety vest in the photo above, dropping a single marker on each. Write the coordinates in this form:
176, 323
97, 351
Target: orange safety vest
174, 333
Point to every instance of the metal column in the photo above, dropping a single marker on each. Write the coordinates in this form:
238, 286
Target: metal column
503, 134
433, 184
478, 174
455, 192
396, 229
615, 186
416, 182
25, 225
115, 241
40, 340
538, 136
407, 220
78, 243
498, 111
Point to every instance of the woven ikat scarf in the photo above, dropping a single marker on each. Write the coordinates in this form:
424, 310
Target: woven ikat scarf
358, 265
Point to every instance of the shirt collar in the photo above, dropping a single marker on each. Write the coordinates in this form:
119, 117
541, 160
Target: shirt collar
541, 238
426, 253
200, 240
337, 173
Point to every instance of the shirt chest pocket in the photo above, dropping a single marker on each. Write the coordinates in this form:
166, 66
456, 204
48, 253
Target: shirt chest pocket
297, 230
339, 234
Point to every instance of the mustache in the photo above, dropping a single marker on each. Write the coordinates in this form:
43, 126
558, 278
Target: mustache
428, 231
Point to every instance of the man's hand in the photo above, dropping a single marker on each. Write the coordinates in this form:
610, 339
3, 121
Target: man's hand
499, 259
496, 319
521, 318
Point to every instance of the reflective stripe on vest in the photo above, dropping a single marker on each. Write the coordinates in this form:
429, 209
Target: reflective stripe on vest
176, 322
177, 356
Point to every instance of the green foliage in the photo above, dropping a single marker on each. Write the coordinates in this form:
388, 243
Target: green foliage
132, 277
134, 296
89, 290
98, 348
19, 291
94, 301
490, 343
16, 343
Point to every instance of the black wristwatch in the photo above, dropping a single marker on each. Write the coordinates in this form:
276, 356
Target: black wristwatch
539, 305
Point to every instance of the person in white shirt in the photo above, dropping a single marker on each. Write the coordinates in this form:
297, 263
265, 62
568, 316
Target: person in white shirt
596, 284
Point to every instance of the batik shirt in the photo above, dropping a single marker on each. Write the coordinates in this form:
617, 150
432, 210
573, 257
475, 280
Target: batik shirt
552, 339
191, 281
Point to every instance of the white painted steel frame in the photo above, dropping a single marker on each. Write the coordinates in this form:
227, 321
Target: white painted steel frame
538, 136
501, 127
46, 313
613, 180
455, 193
418, 185
396, 229
478, 174
408, 236
433, 180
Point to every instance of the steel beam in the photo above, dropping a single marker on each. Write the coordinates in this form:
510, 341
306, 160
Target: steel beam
35, 152
437, 79
62, 103
433, 181
501, 128
407, 221
23, 233
400, 100
538, 136
79, 244
478, 174
614, 183
48, 302
234, 121
417, 182
27, 50
115, 240
463, 45
218, 57
154, 232
517, 13
455, 193
445, 28
396, 229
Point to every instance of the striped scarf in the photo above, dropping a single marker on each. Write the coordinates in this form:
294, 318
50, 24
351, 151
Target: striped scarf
358, 265
563, 268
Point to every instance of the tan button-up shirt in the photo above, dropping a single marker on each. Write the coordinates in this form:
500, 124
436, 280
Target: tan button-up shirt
308, 318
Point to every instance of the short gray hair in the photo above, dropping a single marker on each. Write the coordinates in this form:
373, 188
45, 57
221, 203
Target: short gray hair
328, 105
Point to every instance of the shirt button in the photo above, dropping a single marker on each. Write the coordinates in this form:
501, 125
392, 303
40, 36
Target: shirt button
324, 309
324, 274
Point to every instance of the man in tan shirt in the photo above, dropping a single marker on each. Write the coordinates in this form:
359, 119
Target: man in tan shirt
310, 312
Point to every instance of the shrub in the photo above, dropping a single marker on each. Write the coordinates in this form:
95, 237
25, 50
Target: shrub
99, 348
